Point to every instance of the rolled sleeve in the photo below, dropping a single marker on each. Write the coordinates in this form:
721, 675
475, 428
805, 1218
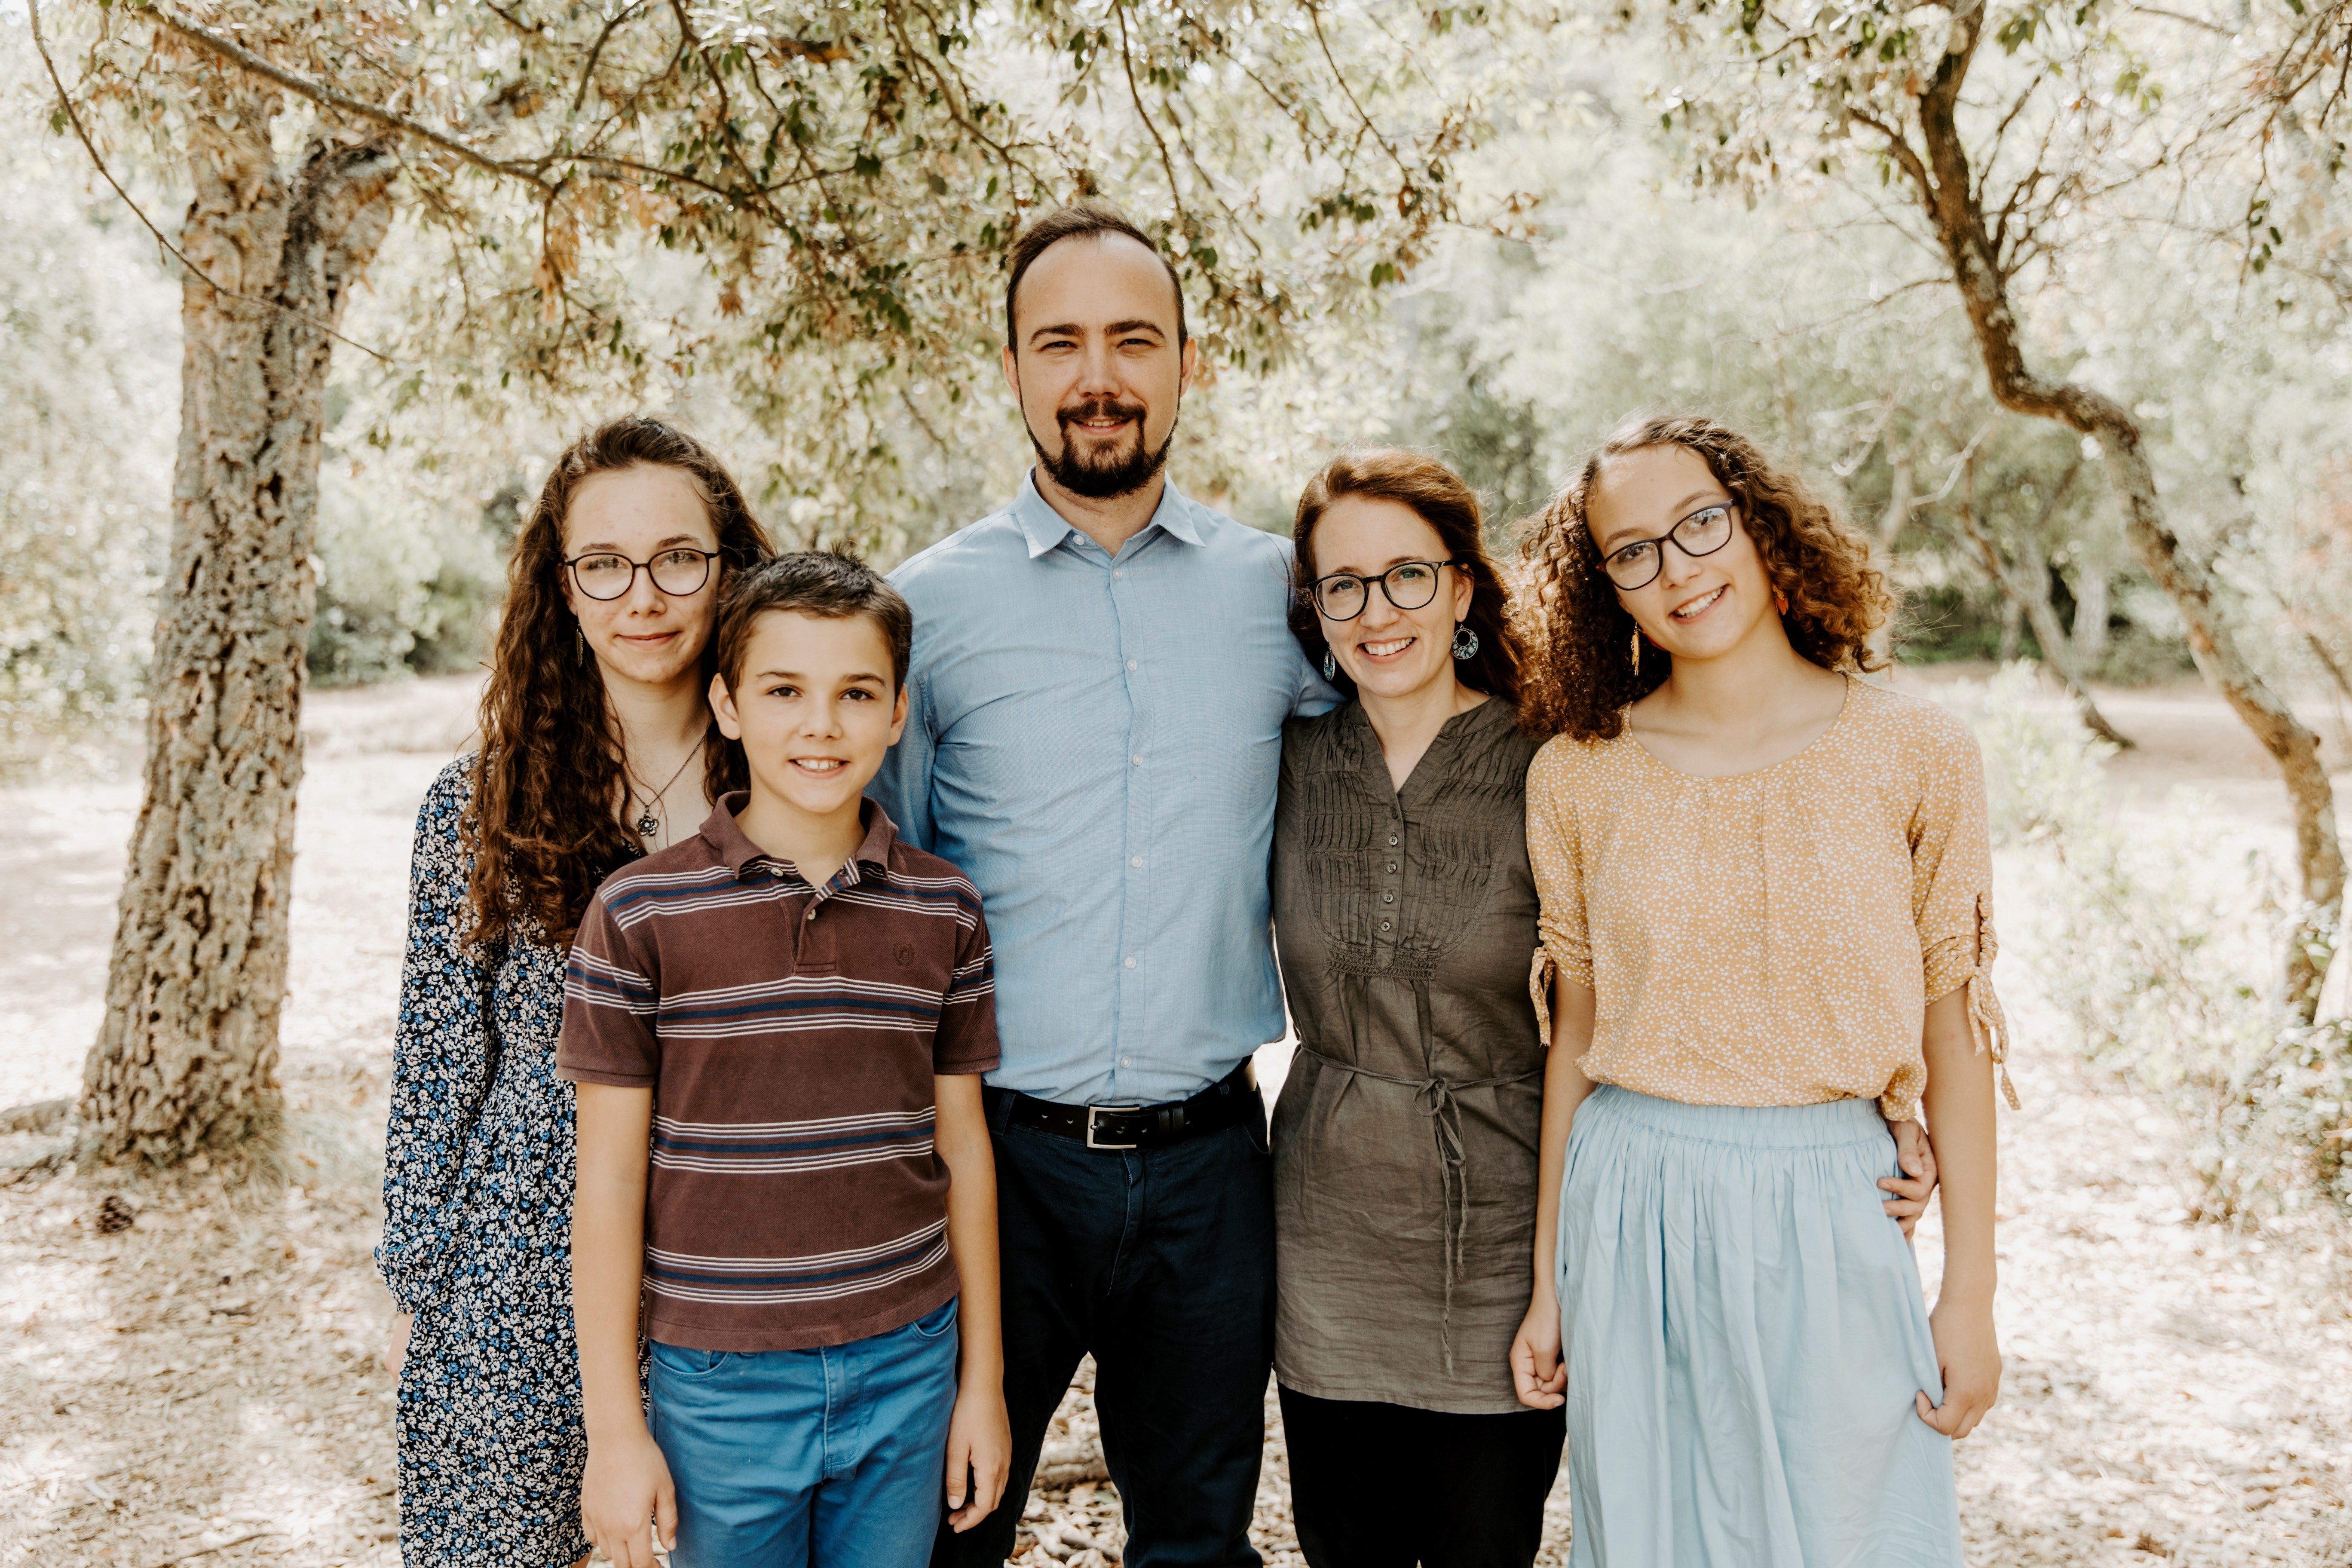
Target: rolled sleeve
1951, 893
1562, 925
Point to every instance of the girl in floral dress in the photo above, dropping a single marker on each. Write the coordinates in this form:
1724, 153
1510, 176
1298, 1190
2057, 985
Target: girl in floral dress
598, 746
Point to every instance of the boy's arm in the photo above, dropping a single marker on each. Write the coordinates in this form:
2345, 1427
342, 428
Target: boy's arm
627, 1482
1959, 1100
1537, 1368
980, 1437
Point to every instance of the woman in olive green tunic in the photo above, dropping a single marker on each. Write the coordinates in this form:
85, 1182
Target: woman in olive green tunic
1405, 1138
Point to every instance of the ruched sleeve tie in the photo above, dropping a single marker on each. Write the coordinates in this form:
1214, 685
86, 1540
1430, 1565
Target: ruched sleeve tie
1966, 960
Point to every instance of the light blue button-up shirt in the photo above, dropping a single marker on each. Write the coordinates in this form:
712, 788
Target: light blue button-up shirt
1094, 741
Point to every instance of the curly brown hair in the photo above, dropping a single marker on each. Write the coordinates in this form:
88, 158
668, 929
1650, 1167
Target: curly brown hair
1583, 678
544, 826
1437, 494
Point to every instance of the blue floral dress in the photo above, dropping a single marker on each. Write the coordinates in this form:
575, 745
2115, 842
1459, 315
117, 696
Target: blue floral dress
478, 1231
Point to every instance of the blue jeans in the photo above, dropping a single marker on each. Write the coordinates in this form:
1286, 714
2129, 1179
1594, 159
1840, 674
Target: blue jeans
1159, 1262
834, 1457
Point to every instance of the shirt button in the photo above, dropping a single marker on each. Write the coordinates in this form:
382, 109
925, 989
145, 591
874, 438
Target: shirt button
1384, 925
1391, 865
1136, 860
1387, 898
1392, 841
1136, 759
1119, 571
1127, 1061
1130, 962
1130, 664
812, 915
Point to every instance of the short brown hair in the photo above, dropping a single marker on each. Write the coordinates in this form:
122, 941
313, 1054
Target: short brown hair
823, 583
1584, 677
1078, 221
1438, 496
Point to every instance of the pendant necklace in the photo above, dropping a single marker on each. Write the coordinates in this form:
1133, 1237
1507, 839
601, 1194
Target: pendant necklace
648, 823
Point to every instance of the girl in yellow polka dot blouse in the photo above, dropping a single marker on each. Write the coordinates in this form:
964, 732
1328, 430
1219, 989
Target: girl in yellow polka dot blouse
1766, 926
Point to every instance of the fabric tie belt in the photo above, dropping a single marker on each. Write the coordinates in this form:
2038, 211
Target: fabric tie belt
1436, 1098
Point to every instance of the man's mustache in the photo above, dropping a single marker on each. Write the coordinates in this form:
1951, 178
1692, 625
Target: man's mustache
1099, 408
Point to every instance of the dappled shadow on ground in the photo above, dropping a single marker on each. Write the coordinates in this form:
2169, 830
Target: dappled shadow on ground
205, 1376
206, 1381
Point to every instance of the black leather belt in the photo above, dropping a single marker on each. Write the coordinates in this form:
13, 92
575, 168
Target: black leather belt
1230, 1102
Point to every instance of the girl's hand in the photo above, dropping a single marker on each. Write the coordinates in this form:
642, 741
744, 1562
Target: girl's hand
1538, 1370
626, 1496
1917, 1158
979, 1441
1970, 1356
396, 1351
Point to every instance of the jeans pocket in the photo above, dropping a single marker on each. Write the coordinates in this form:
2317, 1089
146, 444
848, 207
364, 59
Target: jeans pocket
681, 1361
938, 1323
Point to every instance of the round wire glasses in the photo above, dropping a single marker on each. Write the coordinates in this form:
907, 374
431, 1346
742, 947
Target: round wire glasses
1637, 565
1408, 584
608, 575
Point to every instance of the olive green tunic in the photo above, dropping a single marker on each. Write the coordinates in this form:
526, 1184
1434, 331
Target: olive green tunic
1405, 1138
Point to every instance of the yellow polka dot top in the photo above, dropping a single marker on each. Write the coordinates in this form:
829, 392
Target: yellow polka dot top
1771, 938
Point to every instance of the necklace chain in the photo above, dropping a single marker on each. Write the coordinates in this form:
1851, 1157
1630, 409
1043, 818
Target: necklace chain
649, 823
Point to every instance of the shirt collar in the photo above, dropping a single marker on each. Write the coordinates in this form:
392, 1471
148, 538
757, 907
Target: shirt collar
725, 835
1045, 528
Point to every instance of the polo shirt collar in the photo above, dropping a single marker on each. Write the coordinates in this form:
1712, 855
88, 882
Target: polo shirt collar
725, 835
1045, 528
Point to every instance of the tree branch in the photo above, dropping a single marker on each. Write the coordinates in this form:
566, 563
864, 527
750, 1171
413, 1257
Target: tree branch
65, 102
320, 92
588, 71
1899, 148
1167, 165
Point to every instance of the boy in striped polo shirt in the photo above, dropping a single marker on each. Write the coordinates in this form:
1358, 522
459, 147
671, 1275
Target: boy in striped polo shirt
778, 1027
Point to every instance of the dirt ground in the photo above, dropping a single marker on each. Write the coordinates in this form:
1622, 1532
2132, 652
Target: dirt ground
202, 1386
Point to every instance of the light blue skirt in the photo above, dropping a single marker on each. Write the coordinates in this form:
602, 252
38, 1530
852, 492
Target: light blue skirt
1744, 1332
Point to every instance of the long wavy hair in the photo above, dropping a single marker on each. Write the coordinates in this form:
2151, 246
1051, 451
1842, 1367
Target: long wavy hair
544, 827
1583, 677
1436, 494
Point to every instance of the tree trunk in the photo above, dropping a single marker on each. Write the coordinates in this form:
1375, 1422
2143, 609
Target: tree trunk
2091, 577
186, 1056
2012, 624
2026, 584
1890, 528
1953, 204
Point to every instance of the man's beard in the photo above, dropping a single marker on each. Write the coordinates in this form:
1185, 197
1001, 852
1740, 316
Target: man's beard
1100, 478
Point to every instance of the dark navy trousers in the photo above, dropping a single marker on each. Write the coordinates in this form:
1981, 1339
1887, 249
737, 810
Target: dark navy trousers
1160, 1263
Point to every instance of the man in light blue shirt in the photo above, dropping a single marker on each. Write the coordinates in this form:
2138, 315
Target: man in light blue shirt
1101, 673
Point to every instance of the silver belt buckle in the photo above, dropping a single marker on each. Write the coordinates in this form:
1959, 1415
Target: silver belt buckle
1094, 1110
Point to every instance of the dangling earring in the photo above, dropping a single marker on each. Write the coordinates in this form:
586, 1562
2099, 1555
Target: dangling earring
1779, 601
1330, 666
1637, 653
1465, 641
581, 633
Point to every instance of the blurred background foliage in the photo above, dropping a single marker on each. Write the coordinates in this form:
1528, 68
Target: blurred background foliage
1626, 212
1589, 274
